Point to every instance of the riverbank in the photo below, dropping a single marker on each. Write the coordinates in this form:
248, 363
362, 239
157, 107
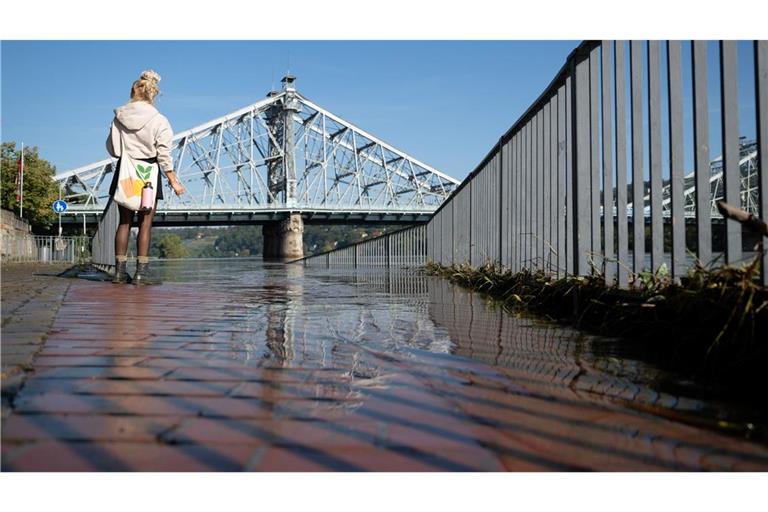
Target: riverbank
713, 324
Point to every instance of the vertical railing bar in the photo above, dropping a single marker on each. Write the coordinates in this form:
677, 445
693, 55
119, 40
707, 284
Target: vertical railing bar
545, 189
540, 152
469, 220
511, 188
518, 200
581, 170
535, 175
676, 172
453, 235
561, 212
608, 254
701, 151
570, 257
636, 109
654, 153
761, 111
500, 253
729, 109
526, 207
594, 157
553, 195
430, 234
513, 203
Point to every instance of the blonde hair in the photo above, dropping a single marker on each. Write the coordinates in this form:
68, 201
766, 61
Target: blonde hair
145, 88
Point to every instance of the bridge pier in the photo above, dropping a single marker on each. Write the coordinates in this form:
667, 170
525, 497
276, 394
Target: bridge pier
284, 239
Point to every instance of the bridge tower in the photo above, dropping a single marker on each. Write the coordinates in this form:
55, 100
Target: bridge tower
283, 239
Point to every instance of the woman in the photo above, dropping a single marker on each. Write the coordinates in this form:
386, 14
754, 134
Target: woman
147, 137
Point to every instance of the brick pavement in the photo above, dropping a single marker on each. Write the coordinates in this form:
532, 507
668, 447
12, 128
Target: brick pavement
31, 295
182, 377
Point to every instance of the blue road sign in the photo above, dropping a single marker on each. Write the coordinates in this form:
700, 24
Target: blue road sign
60, 206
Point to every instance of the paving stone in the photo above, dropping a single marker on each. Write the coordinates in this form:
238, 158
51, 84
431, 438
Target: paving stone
72, 427
127, 387
126, 379
124, 456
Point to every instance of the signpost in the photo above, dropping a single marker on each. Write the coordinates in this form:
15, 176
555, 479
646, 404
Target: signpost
59, 206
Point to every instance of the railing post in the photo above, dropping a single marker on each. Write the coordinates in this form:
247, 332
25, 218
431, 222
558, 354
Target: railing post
701, 150
761, 110
729, 113
388, 246
582, 233
501, 202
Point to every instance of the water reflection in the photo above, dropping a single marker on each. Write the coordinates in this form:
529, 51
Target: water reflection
355, 322
284, 294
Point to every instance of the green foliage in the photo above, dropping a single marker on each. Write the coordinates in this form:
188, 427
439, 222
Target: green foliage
170, 246
239, 241
319, 239
40, 191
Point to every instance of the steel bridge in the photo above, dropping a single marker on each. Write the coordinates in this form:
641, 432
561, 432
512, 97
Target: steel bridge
282, 155
748, 189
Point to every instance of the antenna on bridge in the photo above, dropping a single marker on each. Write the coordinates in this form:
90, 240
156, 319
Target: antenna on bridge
288, 64
272, 87
287, 82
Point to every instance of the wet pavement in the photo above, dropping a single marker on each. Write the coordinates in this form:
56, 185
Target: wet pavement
238, 365
30, 299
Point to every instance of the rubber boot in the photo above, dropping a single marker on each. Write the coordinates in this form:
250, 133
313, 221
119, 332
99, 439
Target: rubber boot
144, 275
121, 273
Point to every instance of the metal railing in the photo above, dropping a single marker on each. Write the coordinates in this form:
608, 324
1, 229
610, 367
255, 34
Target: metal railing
607, 132
403, 248
104, 239
45, 249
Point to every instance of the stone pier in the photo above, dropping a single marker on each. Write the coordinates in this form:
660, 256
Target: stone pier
284, 239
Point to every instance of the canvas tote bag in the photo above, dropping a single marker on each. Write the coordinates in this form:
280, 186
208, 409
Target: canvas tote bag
132, 176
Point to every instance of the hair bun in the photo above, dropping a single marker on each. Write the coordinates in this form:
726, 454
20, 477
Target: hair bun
150, 75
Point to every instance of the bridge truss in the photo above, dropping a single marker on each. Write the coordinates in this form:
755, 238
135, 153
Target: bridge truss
282, 154
748, 190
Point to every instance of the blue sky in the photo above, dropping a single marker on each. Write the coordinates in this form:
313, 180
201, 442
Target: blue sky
443, 102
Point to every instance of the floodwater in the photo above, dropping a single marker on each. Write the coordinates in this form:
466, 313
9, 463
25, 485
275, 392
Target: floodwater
403, 311
531, 390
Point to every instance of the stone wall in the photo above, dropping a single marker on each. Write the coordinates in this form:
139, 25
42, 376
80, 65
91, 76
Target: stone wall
11, 223
17, 243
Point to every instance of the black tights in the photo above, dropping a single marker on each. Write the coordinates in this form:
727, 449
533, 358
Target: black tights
124, 230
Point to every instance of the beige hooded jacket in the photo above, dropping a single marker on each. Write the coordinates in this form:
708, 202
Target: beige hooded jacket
146, 133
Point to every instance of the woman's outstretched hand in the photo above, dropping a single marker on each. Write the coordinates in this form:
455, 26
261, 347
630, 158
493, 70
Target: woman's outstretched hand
178, 188
176, 185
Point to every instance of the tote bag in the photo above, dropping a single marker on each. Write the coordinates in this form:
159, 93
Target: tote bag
132, 176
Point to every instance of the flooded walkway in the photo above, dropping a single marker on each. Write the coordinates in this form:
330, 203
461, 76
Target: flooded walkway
237, 365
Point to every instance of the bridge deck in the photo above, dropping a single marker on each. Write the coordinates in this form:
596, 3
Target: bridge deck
228, 217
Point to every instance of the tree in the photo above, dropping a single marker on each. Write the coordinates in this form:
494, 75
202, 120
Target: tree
170, 246
239, 241
40, 191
